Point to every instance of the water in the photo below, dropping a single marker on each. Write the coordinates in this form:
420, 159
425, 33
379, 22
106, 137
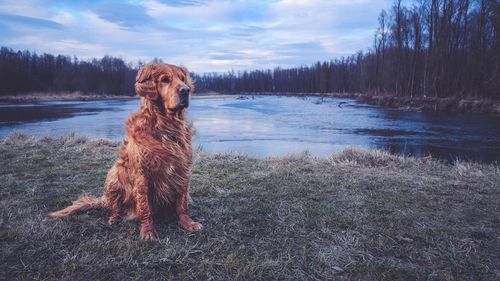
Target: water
264, 126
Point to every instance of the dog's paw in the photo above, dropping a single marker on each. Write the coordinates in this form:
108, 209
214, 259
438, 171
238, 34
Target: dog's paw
148, 232
149, 235
195, 226
188, 224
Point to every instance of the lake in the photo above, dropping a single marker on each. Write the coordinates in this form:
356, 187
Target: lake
263, 126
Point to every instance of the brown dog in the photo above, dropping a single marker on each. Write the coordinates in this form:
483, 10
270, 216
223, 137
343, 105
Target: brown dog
151, 175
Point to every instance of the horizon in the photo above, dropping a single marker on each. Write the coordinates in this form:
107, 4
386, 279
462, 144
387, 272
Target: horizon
219, 36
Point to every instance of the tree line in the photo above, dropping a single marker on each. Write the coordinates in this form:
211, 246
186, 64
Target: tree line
436, 48
26, 72
433, 48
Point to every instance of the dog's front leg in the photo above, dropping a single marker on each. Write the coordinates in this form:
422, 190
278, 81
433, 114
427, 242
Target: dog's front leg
143, 208
184, 220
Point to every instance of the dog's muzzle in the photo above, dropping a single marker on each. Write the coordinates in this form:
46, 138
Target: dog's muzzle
183, 96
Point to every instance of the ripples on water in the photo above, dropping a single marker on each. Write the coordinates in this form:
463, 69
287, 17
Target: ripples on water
264, 126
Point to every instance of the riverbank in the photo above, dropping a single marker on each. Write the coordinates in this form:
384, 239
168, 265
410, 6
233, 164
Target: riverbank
363, 215
433, 103
403, 103
406, 103
79, 96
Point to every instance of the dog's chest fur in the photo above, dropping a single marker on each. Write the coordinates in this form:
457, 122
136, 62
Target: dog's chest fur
165, 157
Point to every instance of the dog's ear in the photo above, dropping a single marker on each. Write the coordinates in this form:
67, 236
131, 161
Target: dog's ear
145, 86
147, 89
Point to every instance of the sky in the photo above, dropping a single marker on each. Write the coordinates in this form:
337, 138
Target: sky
203, 35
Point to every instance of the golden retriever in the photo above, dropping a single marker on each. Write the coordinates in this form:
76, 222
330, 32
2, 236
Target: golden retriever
151, 175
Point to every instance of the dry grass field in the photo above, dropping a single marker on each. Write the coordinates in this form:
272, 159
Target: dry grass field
356, 215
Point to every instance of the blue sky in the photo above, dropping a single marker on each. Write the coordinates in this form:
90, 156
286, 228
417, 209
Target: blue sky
204, 35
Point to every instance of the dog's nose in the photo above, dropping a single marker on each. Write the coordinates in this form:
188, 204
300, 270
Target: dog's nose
183, 90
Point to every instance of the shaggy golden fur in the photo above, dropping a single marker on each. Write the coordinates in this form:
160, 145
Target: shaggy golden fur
151, 175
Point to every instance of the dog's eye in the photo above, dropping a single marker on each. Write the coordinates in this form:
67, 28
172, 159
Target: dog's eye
165, 79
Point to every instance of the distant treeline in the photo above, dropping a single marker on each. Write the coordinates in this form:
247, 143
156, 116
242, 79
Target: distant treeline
25, 72
436, 48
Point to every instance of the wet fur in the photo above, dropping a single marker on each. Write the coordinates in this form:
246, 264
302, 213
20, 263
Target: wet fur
150, 179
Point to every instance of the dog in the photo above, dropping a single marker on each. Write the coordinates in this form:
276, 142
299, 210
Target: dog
151, 176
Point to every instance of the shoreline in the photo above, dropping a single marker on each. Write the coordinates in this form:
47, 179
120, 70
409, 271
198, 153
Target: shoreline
434, 104
429, 104
73, 96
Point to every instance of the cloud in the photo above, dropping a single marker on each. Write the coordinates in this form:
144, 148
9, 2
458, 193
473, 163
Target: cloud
30, 21
182, 2
124, 14
204, 35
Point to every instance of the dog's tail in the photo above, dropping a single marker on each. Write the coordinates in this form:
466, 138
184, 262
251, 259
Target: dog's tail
82, 204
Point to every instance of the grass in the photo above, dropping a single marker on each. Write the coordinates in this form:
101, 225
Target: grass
356, 215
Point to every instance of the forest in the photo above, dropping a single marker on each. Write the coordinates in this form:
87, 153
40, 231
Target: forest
436, 48
25, 72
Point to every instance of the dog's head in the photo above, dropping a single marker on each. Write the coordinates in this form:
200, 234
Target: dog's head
165, 83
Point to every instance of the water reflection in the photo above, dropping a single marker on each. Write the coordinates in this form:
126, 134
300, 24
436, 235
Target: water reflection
270, 125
